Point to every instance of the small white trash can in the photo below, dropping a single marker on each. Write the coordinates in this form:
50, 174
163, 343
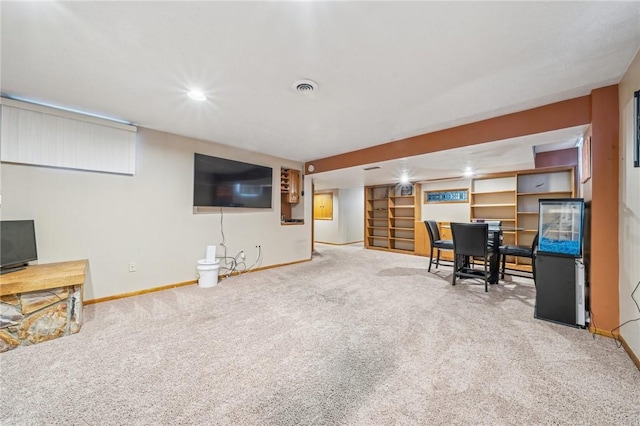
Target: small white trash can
208, 273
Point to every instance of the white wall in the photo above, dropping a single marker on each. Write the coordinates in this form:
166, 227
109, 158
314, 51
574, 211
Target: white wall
347, 225
445, 212
147, 218
352, 213
328, 231
629, 213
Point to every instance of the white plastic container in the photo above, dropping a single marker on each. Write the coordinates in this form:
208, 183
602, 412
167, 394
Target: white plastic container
208, 273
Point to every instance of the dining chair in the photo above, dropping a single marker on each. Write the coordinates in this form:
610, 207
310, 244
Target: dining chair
519, 251
494, 226
471, 240
436, 242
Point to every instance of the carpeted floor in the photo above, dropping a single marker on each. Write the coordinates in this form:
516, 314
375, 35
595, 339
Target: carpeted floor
353, 337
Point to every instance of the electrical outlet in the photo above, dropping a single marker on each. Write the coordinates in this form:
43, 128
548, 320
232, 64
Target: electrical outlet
132, 266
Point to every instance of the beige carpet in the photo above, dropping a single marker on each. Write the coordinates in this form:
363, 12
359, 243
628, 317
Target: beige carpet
353, 337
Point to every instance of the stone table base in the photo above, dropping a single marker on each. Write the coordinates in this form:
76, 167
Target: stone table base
40, 303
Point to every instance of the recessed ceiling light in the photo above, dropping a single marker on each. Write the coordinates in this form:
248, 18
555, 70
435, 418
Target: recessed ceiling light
197, 95
468, 172
404, 179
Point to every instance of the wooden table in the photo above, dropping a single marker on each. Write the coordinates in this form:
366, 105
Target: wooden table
40, 303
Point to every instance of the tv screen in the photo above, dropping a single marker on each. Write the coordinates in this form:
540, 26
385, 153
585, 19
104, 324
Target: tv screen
218, 182
17, 243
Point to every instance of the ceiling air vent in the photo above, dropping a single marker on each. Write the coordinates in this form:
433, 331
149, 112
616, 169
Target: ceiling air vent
371, 168
305, 87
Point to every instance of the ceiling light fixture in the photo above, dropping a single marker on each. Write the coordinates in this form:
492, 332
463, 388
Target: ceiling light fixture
404, 179
197, 95
468, 172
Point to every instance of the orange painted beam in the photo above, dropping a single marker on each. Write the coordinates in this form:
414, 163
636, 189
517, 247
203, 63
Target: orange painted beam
604, 207
560, 115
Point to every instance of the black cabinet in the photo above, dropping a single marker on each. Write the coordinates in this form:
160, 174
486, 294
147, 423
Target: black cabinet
556, 289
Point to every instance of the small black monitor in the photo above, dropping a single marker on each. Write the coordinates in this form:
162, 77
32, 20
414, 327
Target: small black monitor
17, 245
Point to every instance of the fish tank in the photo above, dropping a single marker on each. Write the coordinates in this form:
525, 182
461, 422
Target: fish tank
560, 226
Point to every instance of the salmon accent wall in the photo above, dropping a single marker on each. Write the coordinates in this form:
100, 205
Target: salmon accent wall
562, 157
560, 115
604, 208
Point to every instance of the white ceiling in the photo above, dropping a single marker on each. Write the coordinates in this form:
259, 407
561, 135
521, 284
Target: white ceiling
385, 70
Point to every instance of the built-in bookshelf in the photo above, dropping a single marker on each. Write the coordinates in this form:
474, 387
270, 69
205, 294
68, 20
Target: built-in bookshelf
494, 198
513, 200
390, 217
531, 187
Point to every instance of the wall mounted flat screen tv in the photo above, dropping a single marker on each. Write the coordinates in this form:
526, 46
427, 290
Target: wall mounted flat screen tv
219, 182
17, 244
